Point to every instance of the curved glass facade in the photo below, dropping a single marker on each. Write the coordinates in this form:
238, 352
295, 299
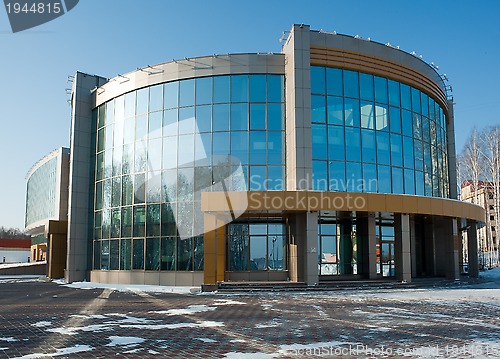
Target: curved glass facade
371, 134
41, 193
158, 148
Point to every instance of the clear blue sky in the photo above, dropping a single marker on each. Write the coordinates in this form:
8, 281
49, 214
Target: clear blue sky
107, 37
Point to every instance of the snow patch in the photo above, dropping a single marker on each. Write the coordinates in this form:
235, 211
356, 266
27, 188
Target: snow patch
75, 330
133, 287
41, 324
10, 339
204, 324
4, 348
122, 341
219, 302
64, 351
192, 309
206, 340
272, 324
23, 264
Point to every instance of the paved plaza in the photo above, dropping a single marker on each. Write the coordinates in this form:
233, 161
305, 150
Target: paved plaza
44, 319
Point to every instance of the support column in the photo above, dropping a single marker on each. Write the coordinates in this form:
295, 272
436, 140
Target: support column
429, 265
371, 242
452, 249
304, 229
311, 248
413, 247
214, 250
402, 252
345, 246
472, 249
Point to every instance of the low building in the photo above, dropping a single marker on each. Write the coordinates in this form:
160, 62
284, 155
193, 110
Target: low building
14, 250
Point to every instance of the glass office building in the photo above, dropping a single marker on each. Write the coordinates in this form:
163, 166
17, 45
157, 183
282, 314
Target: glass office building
331, 160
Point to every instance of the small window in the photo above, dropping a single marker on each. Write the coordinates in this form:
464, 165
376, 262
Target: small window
491, 207
490, 195
492, 228
492, 218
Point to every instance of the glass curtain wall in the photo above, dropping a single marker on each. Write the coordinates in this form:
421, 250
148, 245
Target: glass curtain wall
371, 134
160, 147
339, 246
257, 246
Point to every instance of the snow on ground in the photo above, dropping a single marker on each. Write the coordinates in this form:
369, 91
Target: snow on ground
192, 309
60, 352
23, 264
41, 324
8, 340
125, 341
206, 340
228, 302
491, 274
132, 287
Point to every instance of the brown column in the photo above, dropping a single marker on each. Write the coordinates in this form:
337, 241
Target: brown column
214, 250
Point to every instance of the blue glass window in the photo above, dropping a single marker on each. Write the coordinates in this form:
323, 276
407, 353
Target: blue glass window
239, 146
257, 88
383, 148
204, 118
318, 84
394, 93
257, 116
407, 123
334, 81
239, 88
369, 177
130, 104
171, 95
336, 143
204, 91
239, 117
319, 144
320, 176
275, 117
354, 177
409, 180
415, 100
142, 101
186, 120
366, 90
335, 110
156, 98
258, 147
186, 96
221, 118
337, 176
170, 124
353, 145
275, 148
408, 152
369, 151
351, 85
221, 89
384, 179
352, 112
275, 178
405, 97
396, 150
367, 115
257, 178
275, 88
397, 180
381, 90
318, 109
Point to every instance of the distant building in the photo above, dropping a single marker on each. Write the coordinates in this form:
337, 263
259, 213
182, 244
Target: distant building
47, 209
14, 250
487, 237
